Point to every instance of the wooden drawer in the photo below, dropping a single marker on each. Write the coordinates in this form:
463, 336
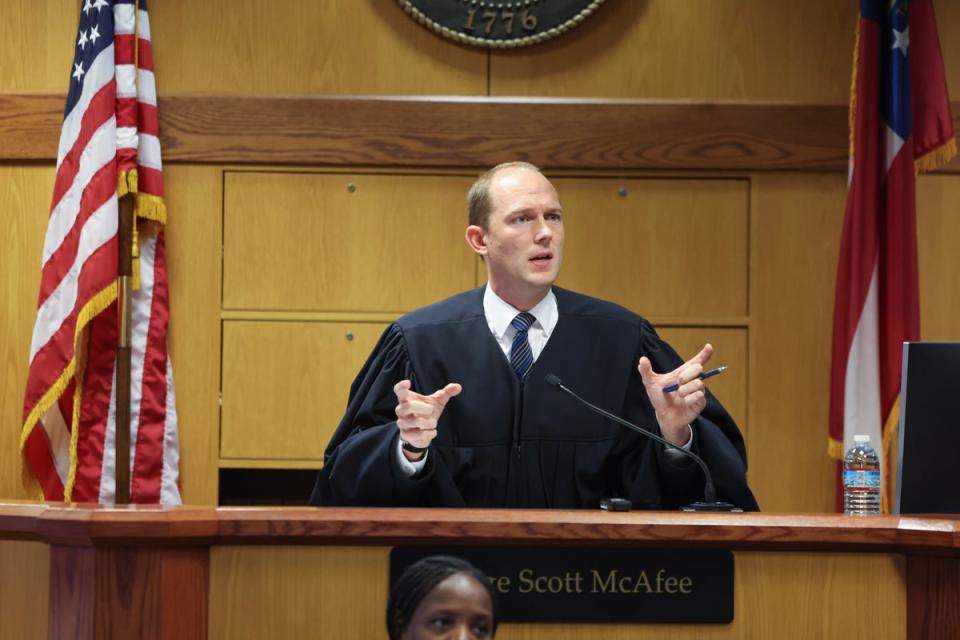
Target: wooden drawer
663, 248
346, 243
285, 385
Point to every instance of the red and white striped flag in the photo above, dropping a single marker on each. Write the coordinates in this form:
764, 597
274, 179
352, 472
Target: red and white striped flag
108, 148
900, 124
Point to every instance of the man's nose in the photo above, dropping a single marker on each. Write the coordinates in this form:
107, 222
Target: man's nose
544, 232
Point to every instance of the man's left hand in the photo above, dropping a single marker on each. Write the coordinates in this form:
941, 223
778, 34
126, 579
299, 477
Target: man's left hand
680, 408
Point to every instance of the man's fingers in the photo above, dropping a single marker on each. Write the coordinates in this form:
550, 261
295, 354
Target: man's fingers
453, 389
696, 401
689, 373
414, 408
443, 395
694, 386
645, 369
401, 389
411, 405
702, 357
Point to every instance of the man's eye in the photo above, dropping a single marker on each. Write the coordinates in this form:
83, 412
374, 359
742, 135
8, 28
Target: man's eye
481, 630
440, 623
554, 216
521, 219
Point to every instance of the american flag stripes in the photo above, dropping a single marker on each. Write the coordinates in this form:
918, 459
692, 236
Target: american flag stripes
900, 123
108, 148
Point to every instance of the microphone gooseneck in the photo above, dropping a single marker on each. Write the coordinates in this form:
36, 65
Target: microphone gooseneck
709, 492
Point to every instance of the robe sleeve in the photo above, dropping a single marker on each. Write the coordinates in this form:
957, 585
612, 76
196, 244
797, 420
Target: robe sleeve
655, 479
360, 467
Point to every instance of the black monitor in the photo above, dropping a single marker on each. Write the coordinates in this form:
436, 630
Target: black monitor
928, 475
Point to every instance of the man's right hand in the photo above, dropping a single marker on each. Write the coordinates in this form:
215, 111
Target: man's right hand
417, 414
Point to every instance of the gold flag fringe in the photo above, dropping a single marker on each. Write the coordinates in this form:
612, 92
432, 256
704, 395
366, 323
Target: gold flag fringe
890, 429
74, 440
835, 448
96, 305
852, 114
146, 206
937, 157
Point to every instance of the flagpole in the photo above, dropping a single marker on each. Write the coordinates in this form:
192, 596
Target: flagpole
124, 292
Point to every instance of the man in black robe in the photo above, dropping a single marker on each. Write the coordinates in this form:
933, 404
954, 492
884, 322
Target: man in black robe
452, 410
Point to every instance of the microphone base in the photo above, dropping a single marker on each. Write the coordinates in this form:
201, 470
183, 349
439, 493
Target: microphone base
712, 506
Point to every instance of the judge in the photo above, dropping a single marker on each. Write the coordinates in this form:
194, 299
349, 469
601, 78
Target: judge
451, 408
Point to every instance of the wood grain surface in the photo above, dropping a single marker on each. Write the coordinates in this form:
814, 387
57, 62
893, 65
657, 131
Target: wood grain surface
192, 526
933, 588
468, 132
152, 594
449, 131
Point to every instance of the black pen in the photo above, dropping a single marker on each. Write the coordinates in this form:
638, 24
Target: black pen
703, 376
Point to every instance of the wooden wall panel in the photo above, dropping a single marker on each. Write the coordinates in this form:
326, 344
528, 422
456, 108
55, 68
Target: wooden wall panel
24, 206
259, 592
814, 596
23, 607
948, 26
194, 203
285, 385
307, 242
732, 49
938, 238
362, 47
697, 49
35, 39
662, 248
298, 592
289, 46
796, 223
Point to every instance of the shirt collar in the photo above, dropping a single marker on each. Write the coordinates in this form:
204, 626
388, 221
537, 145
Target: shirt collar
499, 313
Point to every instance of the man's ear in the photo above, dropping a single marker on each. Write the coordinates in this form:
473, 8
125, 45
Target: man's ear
477, 239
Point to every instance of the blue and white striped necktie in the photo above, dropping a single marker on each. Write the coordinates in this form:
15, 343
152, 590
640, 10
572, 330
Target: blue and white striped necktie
521, 357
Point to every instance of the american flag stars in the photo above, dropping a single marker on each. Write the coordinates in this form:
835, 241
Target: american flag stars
88, 7
95, 33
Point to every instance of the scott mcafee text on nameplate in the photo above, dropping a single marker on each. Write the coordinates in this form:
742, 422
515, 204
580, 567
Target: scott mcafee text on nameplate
598, 585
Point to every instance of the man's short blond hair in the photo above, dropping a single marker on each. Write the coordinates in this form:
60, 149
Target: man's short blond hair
479, 202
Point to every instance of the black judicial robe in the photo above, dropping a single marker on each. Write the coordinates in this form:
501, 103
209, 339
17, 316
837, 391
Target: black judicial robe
507, 443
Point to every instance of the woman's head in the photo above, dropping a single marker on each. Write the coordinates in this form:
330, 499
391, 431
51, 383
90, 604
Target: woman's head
441, 597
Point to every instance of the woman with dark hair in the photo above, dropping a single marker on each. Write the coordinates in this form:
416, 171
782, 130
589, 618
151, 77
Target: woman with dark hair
442, 597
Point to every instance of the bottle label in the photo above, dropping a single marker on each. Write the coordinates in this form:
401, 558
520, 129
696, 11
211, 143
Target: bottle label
860, 479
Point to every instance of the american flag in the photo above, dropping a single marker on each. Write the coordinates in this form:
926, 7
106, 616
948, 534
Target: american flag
900, 123
108, 148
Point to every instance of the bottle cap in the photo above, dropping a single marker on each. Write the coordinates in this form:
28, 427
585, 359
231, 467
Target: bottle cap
861, 439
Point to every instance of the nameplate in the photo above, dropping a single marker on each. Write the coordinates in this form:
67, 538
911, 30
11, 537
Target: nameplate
626, 585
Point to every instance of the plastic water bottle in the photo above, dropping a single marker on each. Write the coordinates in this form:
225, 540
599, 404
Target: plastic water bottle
861, 479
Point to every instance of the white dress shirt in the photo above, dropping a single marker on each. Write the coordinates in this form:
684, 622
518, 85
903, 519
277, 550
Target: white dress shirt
500, 314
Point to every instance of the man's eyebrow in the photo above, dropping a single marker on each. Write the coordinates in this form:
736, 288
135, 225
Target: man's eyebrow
526, 209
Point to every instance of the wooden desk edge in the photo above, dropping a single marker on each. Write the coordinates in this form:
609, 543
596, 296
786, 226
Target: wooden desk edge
94, 525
